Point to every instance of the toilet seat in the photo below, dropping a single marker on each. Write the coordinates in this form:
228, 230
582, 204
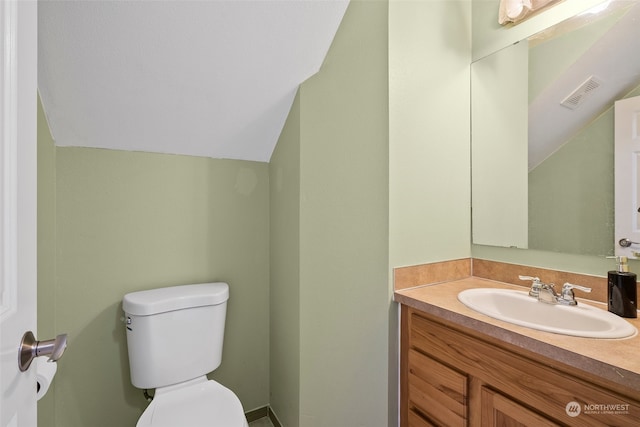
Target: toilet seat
195, 403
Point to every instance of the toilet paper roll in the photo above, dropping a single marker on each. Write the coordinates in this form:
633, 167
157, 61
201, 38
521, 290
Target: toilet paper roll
45, 371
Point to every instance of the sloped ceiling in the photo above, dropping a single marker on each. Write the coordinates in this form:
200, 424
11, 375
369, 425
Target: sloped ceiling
607, 51
208, 78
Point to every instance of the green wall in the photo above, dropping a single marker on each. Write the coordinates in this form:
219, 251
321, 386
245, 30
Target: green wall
330, 237
344, 293
284, 296
371, 172
128, 221
429, 125
46, 252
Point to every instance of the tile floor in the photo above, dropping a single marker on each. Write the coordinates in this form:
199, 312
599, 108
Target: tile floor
262, 422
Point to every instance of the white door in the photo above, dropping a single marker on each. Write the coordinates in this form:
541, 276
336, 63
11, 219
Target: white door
627, 177
18, 83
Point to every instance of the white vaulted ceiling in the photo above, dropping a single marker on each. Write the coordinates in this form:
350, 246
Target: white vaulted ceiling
603, 47
206, 78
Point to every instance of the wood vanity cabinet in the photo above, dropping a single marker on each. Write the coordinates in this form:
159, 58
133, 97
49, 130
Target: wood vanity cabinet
451, 376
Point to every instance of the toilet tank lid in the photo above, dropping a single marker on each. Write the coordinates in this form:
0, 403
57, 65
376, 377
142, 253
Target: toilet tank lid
154, 301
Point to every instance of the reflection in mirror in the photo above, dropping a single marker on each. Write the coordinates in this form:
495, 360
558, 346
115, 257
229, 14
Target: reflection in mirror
555, 193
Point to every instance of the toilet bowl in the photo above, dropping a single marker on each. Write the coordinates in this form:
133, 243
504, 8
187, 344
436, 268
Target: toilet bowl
196, 403
163, 327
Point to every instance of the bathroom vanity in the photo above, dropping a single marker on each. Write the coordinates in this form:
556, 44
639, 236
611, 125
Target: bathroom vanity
461, 368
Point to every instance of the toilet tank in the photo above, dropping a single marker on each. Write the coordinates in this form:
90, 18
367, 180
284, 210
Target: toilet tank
174, 334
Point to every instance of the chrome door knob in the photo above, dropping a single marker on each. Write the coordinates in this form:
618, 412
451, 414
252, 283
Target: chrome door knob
30, 348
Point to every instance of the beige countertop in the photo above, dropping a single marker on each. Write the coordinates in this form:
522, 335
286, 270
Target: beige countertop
617, 360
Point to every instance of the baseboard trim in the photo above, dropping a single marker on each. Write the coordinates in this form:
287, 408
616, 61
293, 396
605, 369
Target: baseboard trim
262, 412
256, 414
274, 418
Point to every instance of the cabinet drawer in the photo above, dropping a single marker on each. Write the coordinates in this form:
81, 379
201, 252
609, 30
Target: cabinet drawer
437, 390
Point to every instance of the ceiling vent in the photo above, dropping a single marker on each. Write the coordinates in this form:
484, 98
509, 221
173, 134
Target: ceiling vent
579, 96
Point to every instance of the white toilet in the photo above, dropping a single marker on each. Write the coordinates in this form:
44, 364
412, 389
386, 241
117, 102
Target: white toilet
174, 337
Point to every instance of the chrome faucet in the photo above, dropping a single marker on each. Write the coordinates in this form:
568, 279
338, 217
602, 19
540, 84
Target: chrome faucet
546, 292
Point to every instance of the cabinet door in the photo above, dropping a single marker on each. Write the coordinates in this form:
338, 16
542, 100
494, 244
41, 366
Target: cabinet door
500, 411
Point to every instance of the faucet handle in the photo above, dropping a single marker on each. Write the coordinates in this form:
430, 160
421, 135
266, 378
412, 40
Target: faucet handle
536, 285
568, 286
567, 296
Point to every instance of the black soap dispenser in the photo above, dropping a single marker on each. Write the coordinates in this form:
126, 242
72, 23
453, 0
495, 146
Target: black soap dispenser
623, 290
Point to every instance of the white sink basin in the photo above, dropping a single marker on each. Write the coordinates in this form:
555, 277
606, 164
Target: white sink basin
519, 308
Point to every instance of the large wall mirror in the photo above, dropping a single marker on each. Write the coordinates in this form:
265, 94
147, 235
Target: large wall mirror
543, 133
